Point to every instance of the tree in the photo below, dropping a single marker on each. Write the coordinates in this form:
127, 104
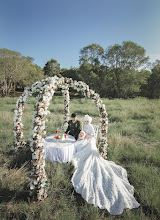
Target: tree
32, 74
90, 65
16, 69
11, 65
30, 59
152, 88
73, 73
128, 55
126, 63
52, 68
91, 54
154, 80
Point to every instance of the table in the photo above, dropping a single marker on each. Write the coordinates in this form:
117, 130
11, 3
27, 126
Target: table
61, 150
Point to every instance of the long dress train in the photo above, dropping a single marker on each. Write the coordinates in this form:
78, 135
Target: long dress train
101, 182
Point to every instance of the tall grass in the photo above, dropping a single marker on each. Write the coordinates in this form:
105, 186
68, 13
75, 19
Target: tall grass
134, 143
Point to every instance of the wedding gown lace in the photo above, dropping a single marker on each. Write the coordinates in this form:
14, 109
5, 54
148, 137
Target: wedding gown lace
101, 182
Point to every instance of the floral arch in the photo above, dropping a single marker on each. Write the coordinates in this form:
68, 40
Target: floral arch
44, 91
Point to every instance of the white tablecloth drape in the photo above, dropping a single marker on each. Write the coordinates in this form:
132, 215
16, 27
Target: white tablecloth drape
61, 150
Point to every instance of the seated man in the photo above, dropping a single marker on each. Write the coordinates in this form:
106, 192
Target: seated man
73, 126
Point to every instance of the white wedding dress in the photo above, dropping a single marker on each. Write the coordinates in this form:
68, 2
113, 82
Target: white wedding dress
101, 182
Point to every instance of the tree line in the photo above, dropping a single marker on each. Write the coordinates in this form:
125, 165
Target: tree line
17, 71
120, 71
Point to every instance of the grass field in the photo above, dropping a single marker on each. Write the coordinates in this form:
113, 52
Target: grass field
134, 143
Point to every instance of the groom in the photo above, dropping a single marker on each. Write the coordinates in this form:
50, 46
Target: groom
73, 126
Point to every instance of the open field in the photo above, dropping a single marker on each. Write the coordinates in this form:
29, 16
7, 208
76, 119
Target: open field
134, 143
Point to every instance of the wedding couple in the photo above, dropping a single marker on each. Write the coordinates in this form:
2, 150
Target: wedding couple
74, 127
100, 182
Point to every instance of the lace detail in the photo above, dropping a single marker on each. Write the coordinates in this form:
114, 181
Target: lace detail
100, 182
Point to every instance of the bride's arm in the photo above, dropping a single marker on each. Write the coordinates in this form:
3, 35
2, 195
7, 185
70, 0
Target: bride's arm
86, 134
91, 132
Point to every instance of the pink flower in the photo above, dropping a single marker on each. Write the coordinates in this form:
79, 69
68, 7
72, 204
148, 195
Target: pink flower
82, 134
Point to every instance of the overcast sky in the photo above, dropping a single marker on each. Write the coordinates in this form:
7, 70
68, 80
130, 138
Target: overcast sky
59, 29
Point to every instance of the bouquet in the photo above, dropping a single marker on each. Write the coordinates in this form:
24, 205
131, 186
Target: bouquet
82, 135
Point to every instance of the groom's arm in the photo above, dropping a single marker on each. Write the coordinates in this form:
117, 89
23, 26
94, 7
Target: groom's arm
78, 128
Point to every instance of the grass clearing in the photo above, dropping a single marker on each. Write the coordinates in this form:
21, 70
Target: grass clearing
134, 143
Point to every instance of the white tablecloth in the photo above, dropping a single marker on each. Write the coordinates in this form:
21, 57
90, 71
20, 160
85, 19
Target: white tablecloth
61, 150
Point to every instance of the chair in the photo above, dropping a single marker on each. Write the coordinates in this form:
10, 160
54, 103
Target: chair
96, 129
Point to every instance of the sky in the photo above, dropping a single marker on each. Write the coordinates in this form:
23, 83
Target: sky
59, 29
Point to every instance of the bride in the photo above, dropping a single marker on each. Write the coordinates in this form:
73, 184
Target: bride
100, 182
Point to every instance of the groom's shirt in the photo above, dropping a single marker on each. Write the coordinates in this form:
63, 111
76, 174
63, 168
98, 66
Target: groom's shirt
73, 128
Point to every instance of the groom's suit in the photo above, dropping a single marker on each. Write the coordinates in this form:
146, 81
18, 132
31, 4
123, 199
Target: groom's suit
73, 128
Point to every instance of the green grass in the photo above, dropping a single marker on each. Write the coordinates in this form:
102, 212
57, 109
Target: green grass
134, 143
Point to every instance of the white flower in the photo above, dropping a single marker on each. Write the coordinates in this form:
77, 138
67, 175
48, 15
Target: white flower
37, 119
32, 149
32, 186
42, 127
52, 92
43, 184
41, 111
45, 98
42, 157
34, 135
38, 137
26, 93
35, 129
47, 112
20, 110
42, 140
35, 155
35, 182
21, 135
20, 99
40, 144
39, 196
42, 166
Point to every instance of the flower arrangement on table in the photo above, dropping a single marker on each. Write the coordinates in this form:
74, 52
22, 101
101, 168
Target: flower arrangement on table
60, 132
